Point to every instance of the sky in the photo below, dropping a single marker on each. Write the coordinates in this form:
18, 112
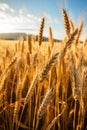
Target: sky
25, 15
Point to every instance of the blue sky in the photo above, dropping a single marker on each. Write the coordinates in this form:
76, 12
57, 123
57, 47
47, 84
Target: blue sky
25, 15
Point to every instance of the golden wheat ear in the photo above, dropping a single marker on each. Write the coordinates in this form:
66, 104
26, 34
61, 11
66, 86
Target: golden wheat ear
71, 38
28, 58
29, 44
72, 25
48, 66
79, 33
22, 46
51, 37
16, 48
66, 22
41, 31
49, 95
68, 43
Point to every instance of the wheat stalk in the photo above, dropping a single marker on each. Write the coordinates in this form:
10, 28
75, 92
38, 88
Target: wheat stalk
56, 118
29, 93
17, 103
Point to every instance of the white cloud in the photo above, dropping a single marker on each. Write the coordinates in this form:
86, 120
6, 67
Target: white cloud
22, 11
21, 20
6, 7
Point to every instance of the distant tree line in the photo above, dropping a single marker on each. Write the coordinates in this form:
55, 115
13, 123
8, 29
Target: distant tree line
16, 36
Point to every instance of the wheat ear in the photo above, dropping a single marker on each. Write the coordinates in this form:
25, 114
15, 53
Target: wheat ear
72, 25
29, 44
28, 58
7, 68
66, 22
68, 43
79, 32
22, 46
41, 31
47, 67
49, 95
51, 37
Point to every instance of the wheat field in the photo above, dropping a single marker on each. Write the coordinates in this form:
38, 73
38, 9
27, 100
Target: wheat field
43, 85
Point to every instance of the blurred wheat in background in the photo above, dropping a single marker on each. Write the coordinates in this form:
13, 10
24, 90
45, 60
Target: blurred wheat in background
43, 85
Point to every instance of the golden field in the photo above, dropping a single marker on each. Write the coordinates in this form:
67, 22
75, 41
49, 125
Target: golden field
43, 85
